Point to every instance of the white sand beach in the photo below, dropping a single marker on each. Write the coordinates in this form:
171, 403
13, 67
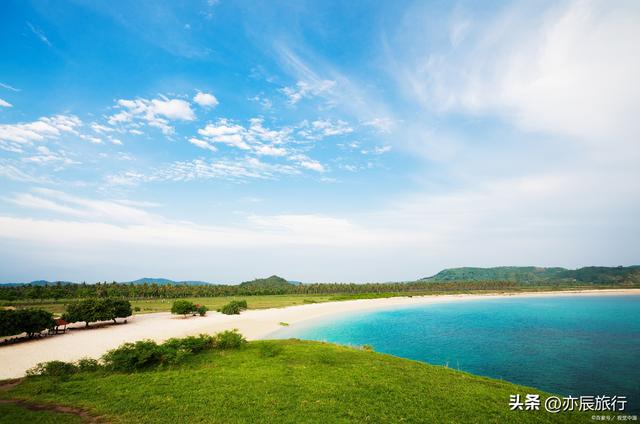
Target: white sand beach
15, 359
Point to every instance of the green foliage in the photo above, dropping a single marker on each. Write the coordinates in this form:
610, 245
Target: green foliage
230, 339
53, 368
88, 365
191, 344
284, 324
234, 307
202, 310
121, 308
93, 310
30, 321
134, 356
303, 381
183, 307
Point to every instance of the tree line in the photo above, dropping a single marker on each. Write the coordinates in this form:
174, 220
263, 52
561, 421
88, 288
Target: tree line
150, 291
34, 321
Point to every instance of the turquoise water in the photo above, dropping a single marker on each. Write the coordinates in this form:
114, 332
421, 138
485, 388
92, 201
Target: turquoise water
570, 345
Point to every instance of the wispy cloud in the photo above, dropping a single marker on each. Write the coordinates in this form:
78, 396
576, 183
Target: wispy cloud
9, 87
39, 33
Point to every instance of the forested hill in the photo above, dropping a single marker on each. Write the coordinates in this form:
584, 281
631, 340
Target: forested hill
273, 282
532, 275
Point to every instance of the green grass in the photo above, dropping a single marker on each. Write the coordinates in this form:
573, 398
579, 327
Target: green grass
17, 414
289, 381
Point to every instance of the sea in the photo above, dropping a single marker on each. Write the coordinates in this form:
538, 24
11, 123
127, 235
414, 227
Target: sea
567, 345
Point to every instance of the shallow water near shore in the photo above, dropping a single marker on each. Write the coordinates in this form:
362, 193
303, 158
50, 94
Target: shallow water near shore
570, 345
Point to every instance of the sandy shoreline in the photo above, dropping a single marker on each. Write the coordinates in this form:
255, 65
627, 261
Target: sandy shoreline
254, 324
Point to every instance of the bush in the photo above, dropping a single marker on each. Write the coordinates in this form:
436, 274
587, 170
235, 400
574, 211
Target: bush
87, 364
146, 354
234, 307
53, 368
30, 321
183, 307
230, 339
202, 310
191, 344
136, 309
134, 356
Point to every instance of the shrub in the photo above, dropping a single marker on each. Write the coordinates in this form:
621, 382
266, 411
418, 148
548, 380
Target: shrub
367, 348
234, 307
191, 344
202, 310
136, 309
146, 354
53, 368
134, 356
87, 364
284, 324
183, 307
230, 339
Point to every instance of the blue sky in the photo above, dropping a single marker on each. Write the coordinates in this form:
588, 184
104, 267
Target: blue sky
321, 141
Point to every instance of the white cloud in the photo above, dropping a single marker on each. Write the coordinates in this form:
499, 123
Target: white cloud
14, 137
4, 103
306, 89
101, 128
156, 112
382, 125
307, 163
330, 128
225, 132
571, 71
202, 144
46, 156
13, 173
206, 99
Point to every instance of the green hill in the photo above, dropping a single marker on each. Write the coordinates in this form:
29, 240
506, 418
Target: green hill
531, 274
273, 282
288, 381
165, 281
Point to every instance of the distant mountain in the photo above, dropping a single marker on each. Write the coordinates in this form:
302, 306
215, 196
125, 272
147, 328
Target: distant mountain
36, 283
272, 282
165, 281
531, 274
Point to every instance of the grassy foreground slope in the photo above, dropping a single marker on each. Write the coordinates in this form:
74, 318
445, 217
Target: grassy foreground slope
289, 381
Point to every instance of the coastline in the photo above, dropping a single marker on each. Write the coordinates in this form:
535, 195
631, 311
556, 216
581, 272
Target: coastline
254, 324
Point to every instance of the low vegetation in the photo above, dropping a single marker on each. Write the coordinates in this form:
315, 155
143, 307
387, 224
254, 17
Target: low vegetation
285, 381
234, 307
143, 355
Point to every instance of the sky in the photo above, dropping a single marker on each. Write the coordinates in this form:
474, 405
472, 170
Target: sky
323, 141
